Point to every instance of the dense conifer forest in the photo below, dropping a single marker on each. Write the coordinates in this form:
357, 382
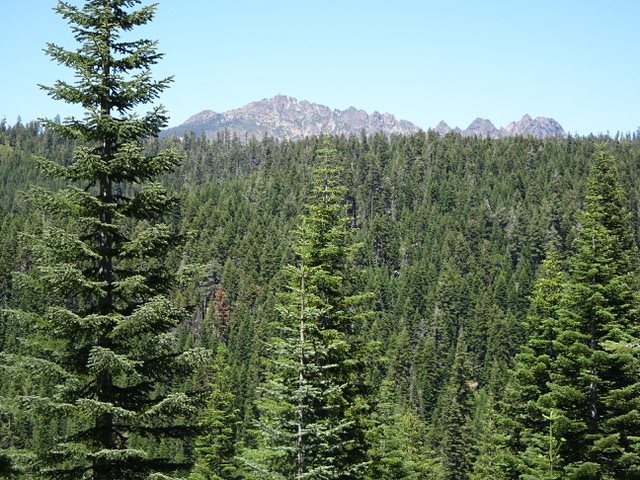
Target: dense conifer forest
363, 307
472, 260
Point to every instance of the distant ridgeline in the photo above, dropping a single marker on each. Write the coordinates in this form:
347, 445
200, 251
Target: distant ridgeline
288, 118
451, 234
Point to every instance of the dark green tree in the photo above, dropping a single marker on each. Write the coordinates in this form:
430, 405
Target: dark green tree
311, 407
429, 373
400, 362
457, 448
399, 450
526, 403
594, 382
581, 391
494, 460
216, 448
101, 336
542, 455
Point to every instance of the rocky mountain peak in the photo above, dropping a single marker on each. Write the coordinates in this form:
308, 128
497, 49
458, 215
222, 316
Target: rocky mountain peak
287, 117
442, 128
481, 127
536, 127
200, 117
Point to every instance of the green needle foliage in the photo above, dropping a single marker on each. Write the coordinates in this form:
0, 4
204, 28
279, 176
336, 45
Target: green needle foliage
311, 405
457, 439
101, 333
542, 455
453, 231
216, 448
398, 441
579, 373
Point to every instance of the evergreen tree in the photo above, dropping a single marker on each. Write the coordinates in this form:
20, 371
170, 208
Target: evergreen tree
457, 442
429, 373
102, 337
581, 389
311, 407
400, 363
594, 384
494, 460
216, 448
542, 454
527, 402
399, 449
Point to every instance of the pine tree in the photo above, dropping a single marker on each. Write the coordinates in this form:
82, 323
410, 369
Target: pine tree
579, 374
542, 455
527, 401
400, 362
457, 443
311, 407
594, 384
102, 335
429, 373
494, 460
216, 448
398, 440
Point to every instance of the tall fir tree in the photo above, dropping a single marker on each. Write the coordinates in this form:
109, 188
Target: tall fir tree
216, 448
585, 375
527, 402
494, 460
312, 406
429, 372
595, 383
397, 438
102, 337
457, 451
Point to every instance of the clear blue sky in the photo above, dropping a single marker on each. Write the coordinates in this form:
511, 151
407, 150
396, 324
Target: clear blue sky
422, 60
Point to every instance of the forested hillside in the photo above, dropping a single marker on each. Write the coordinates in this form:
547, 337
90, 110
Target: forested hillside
446, 239
424, 306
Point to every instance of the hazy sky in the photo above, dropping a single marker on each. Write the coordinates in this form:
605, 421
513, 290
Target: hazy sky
422, 60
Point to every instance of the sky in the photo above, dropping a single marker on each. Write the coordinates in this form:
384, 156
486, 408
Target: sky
421, 60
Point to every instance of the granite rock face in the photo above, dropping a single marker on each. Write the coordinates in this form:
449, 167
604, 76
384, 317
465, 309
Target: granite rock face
535, 127
481, 127
442, 128
539, 127
289, 118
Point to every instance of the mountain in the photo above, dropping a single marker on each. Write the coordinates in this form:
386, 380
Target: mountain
442, 128
539, 127
481, 127
536, 127
287, 117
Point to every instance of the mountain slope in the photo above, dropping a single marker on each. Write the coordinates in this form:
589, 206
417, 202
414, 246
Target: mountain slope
287, 117
539, 127
535, 127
